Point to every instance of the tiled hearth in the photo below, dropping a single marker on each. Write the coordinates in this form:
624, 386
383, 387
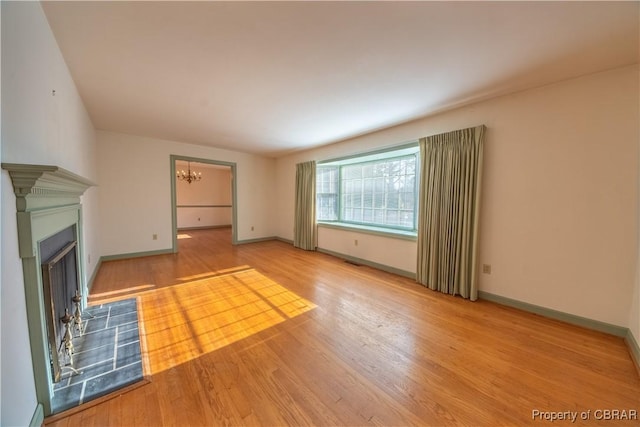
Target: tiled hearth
107, 356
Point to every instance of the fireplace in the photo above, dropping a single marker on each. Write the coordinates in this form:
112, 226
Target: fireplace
61, 290
49, 219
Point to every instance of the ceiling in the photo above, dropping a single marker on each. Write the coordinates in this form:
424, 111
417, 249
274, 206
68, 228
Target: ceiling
274, 77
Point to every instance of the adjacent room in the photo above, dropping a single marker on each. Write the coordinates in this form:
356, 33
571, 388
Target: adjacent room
320, 213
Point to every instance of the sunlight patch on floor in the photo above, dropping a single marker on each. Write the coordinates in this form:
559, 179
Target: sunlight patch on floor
188, 320
111, 296
209, 274
183, 236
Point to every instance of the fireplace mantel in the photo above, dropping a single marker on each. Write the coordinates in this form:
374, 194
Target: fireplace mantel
38, 188
47, 201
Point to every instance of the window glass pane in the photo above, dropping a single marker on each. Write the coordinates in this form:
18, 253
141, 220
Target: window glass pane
406, 201
378, 200
392, 201
406, 218
392, 217
352, 171
367, 200
379, 185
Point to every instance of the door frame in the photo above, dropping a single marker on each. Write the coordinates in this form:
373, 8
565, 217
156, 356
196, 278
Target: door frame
174, 209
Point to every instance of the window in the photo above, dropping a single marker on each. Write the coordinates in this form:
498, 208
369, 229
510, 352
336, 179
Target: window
327, 193
377, 190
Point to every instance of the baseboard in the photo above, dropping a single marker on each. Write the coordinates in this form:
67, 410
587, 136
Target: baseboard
361, 261
357, 260
204, 227
260, 239
372, 264
135, 255
93, 275
38, 416
595, 325
634, 349
282, 239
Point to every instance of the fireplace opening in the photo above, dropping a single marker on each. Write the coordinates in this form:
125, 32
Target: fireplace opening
60, 277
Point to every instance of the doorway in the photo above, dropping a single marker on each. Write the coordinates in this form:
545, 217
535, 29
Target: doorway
203, 196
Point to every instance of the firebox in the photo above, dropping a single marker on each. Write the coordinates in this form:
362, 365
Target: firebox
61, 288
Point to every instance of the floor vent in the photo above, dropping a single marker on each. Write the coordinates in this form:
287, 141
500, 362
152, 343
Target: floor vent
353, 263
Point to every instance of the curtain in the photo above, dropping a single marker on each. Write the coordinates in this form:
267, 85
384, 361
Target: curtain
304, 229
451, 177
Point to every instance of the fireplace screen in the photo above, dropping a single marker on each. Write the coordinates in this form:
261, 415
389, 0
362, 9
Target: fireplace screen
60, 280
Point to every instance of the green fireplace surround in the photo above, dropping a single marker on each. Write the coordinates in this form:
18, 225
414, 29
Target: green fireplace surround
47, 201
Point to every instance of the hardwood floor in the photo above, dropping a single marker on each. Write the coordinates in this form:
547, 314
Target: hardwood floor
265, 334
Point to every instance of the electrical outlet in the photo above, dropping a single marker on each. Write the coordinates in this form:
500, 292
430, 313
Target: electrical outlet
155, 237
486, 268
355, 242
198, 219
252, 228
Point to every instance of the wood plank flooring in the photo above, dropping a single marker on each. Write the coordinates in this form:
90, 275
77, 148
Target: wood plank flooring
265, 334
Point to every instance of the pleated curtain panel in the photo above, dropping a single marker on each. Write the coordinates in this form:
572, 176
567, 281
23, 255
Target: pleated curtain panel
451, 178
304, 229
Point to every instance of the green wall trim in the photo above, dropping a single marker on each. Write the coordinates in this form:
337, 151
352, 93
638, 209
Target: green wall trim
282, 239
135, 255
357, 228
595, 325
206, 227
634, 349
93, 275
204, 206
260, 239
372, 264
234, 195
38, 416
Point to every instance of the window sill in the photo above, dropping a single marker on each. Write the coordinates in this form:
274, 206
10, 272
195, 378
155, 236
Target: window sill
379, 231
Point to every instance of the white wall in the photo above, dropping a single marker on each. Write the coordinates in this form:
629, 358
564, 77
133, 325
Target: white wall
559, 204
37, 128
214, 190
135, 191
397, 253
203, 217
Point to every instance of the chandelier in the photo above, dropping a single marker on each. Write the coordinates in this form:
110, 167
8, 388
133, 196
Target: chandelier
189, 176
